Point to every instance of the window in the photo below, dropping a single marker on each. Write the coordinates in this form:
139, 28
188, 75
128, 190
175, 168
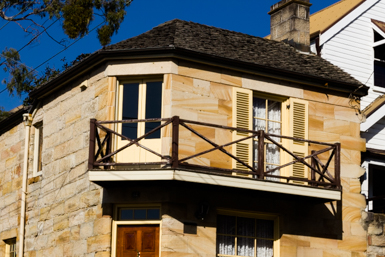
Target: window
138, 213
247, 235
376, 188
38, 149
267, 116
277, 115
141, 100
379, 54
10, 247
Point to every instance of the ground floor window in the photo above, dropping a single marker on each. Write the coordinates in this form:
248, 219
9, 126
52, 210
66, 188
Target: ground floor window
245, 236
10, 247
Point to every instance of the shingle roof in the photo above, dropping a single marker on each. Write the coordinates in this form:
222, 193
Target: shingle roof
235, 46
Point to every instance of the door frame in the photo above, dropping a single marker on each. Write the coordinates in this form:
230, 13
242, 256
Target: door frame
116, 223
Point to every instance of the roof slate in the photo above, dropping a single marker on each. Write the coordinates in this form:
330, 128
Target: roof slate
235, 46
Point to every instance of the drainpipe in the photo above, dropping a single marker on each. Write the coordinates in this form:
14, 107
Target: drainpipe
27, 118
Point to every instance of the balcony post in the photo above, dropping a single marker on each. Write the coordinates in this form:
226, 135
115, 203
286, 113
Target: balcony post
261, 154
337, 165
175, 142
313, 164
91, 154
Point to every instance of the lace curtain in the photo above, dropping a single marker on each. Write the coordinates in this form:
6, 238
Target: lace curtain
247, 236
267, 111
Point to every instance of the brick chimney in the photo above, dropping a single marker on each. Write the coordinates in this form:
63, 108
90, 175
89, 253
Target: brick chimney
289, 22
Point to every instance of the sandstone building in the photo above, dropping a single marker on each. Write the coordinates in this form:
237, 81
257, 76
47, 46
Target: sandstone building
187, 140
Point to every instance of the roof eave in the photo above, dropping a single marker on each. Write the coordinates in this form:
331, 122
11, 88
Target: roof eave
12, 120
102, 56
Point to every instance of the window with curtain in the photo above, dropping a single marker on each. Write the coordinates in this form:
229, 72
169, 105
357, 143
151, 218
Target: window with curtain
245, 236
267, 117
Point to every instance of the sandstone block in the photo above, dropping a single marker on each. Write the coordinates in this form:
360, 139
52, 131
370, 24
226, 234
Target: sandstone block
220, 91
98, 243
80, 247
377, 241
353, 143
337, 126
352, 214
86, 230
336, 253
231, 80
353, 200
63, 237
90, 198
316, 123
325, 98
75, 232
102, 226
375, 229
289, 251
351, 170
60, 223
291, 240
323, 136
201, 87
353, 243
199, 73
347, 114
324, 110
187, 100
171, 226
76, 218
102, 254
357, 229
306, 252
323, 243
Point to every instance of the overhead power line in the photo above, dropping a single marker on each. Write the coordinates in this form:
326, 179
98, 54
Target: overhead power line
35, 69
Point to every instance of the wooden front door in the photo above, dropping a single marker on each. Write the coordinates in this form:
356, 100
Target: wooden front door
134, 241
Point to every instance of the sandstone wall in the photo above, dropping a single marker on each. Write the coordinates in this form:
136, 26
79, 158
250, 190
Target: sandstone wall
374, 223
65, 215
11, 165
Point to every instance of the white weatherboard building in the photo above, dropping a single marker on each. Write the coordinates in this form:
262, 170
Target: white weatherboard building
351, 35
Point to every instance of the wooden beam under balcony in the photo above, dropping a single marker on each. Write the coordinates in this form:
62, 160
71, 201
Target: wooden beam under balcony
212, 179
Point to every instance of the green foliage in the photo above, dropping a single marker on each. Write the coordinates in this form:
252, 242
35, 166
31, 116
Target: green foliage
3, 114
21, 78
76, 15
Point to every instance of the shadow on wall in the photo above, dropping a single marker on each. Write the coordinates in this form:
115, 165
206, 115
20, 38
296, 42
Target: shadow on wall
302, 216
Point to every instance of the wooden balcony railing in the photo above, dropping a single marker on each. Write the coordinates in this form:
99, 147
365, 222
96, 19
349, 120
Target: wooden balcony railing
321, 174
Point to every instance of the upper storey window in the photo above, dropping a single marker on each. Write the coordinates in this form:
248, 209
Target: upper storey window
141, 100
267, 117
379, 54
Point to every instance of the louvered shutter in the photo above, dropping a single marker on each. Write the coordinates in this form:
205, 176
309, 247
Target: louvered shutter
242, 118
299, 129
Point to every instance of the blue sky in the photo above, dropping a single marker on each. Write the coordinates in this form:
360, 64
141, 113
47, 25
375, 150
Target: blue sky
246, 16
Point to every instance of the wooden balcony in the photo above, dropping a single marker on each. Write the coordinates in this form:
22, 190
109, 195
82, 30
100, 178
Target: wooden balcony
107, 161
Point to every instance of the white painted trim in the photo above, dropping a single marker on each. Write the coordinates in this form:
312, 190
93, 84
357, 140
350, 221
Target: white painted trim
36, 152
115, 225
378, 30
229, 181
378, 43
373, 119
345, 21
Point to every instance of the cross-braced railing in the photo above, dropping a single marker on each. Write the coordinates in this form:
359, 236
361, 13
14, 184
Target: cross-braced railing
320, 173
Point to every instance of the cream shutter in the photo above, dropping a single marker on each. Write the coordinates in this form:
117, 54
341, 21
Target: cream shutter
242, 118
299, 129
